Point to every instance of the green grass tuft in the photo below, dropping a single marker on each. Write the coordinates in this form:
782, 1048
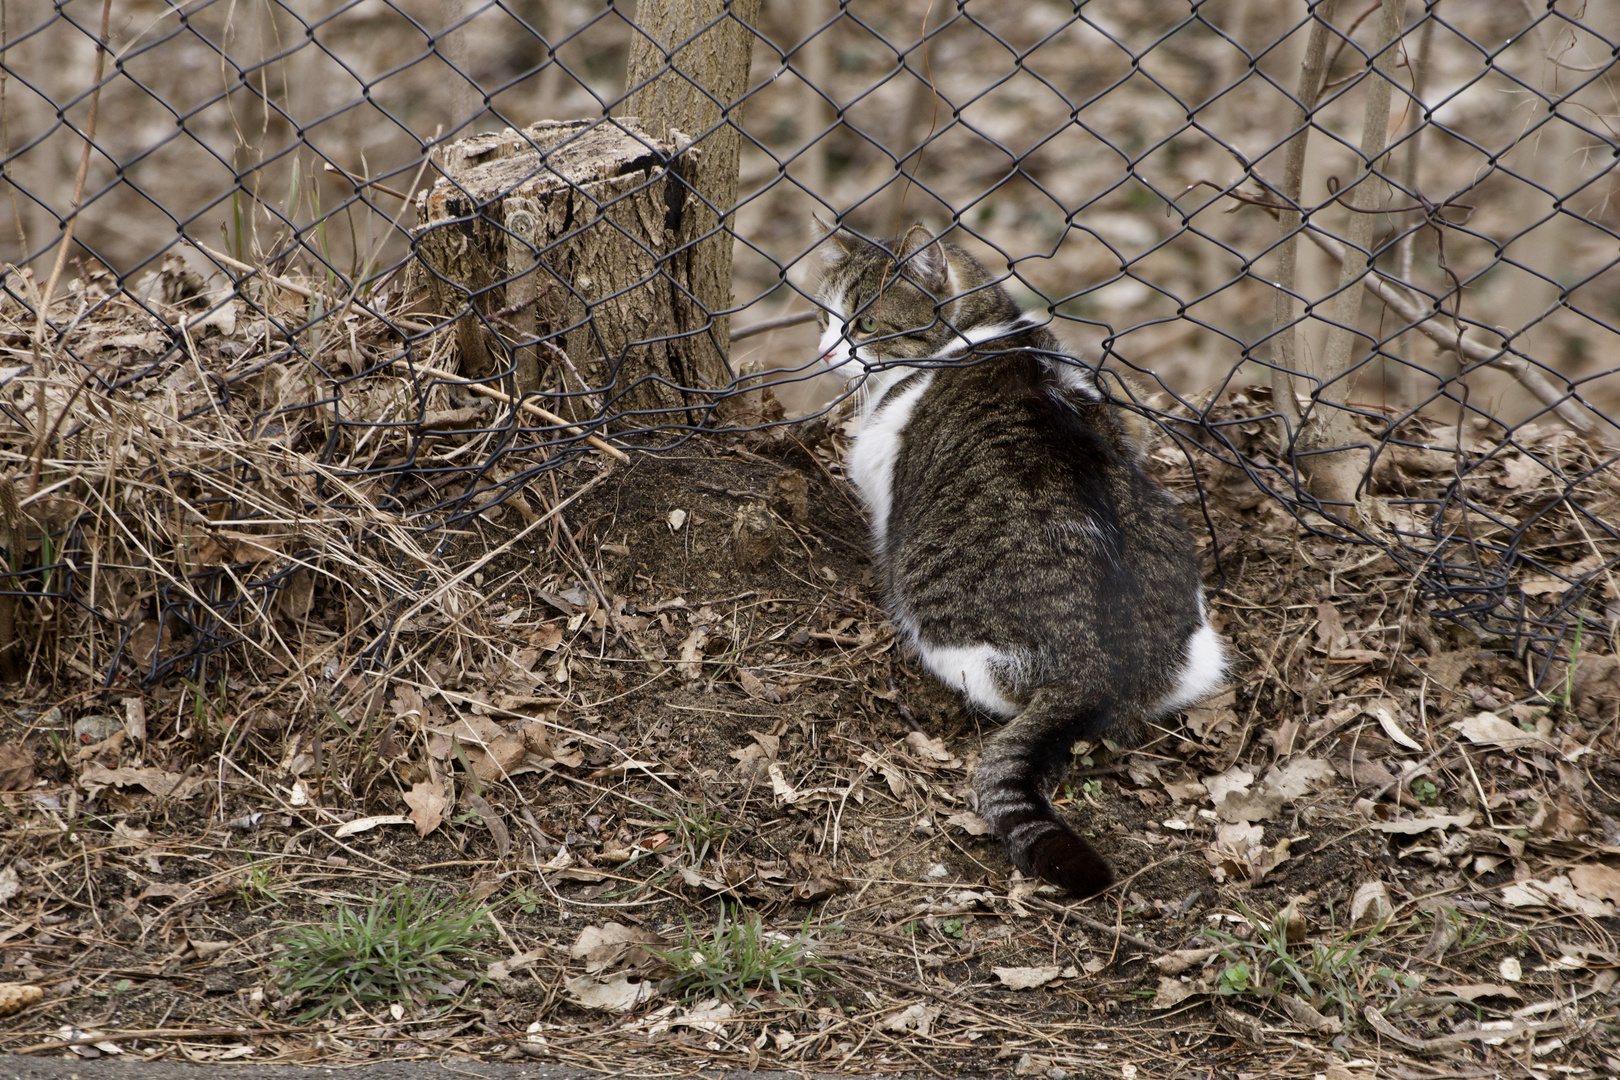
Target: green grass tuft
741, 959
401, 947
1334, 977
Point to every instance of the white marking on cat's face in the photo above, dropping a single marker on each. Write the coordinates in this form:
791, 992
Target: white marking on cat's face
834, 350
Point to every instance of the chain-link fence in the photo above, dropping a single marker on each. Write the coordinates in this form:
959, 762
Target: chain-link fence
286, 281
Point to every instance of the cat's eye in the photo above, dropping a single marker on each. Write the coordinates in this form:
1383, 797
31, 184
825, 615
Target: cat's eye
867, 324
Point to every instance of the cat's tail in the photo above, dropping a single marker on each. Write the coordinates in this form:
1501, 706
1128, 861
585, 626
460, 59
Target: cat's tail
1016, 770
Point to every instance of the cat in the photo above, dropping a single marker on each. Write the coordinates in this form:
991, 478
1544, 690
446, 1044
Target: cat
1022, 549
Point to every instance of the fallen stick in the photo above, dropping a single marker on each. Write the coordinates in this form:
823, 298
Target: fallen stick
528, 407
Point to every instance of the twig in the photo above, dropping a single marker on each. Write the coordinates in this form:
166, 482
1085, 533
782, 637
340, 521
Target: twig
765, 326
175, 1034
358, 182
1476, 352
1069, 914
250, 270
528, 407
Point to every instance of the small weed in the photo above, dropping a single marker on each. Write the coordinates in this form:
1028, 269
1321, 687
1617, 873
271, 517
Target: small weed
1327, 975
1574, 658
402, 946
258, 886
951, 928
741, 959
119, 987
703, 831
1425, 792
528, 900
1092, 789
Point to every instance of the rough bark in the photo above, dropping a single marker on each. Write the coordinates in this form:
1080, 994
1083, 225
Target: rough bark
687, 74
550, 243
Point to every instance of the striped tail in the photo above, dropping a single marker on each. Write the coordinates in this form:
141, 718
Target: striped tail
1018, 767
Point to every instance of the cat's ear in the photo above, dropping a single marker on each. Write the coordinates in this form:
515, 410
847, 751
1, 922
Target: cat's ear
922, 259
834, 246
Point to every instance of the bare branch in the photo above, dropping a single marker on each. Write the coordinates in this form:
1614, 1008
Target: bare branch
1529, 376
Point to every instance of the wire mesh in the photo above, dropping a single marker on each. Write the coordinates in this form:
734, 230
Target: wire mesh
1358, 260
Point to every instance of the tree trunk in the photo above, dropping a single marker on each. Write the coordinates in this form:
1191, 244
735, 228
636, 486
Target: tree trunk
687, 74
1333, 447
550, 245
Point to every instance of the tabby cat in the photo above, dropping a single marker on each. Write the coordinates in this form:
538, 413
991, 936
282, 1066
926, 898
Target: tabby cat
1022, 549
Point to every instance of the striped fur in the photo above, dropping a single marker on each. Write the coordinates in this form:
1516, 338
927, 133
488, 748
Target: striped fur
1023, 551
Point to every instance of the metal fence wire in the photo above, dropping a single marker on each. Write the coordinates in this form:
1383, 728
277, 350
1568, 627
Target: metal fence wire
308, 277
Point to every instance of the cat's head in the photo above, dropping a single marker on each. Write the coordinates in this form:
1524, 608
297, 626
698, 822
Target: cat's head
882, 303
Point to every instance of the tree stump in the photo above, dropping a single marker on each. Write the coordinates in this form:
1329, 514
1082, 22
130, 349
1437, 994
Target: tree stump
552, 244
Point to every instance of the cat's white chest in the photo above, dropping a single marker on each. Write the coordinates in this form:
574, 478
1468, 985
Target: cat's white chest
877, 443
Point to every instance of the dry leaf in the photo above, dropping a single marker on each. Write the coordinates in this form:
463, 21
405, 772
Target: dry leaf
1471, 991
1596, 881
1237, 778
1171, 992
1299, 776
1488, 729
1186, 790
706, 1016
1386, 720
1302, 1013
690, 665
16, 767
617, 994
152, 779
492, 821
1026, 978
1413, 826
427, 803
894, 777
1555, 892
1370, 903
365, 824
970, 823
1522, 471
1174, 963
931, 751
918, 1017
792, 796
604, 947
1331, 635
